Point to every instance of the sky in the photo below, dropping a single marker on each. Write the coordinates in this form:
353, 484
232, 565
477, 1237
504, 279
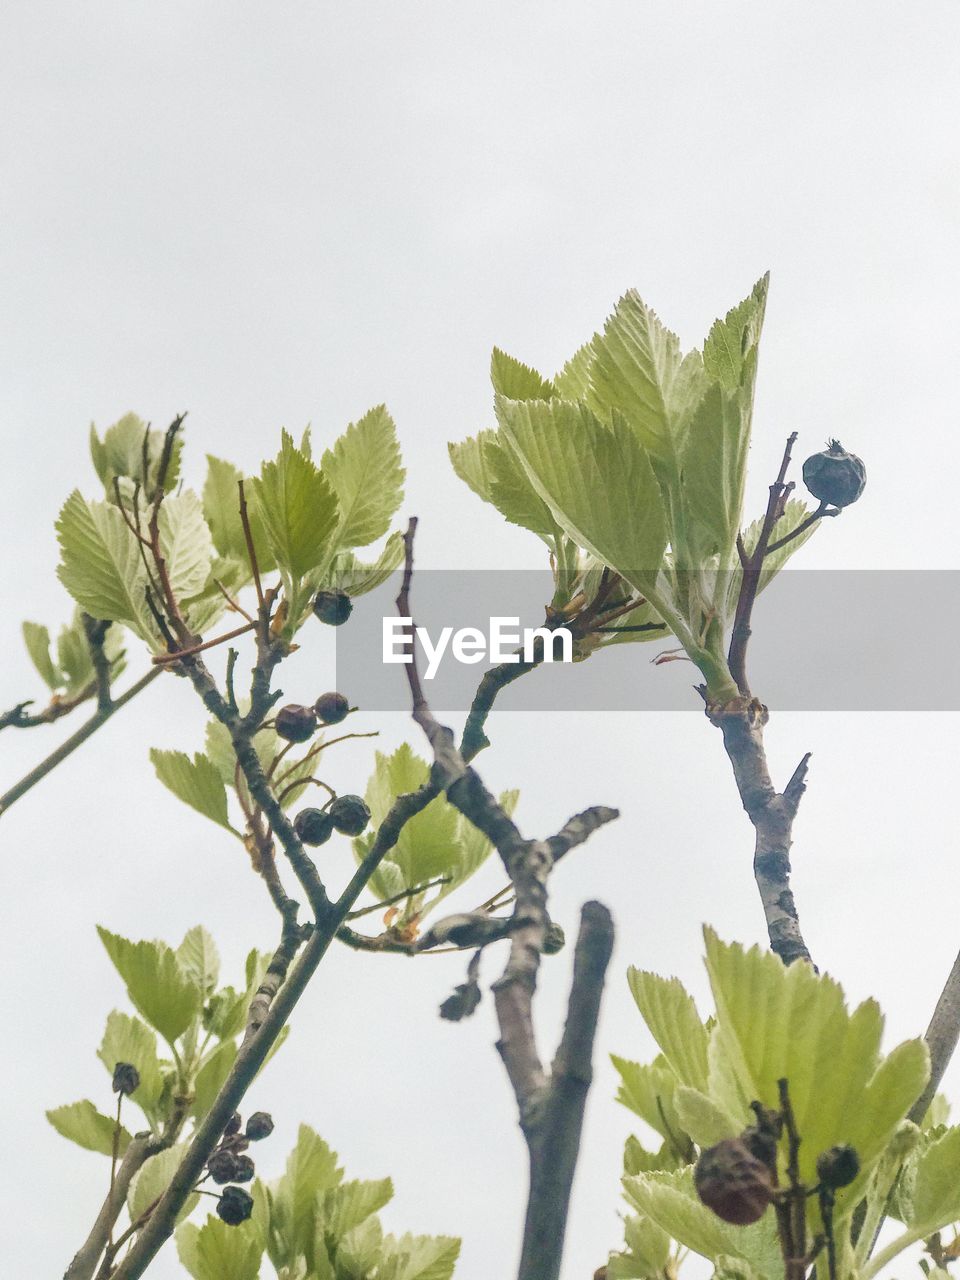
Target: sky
278, 215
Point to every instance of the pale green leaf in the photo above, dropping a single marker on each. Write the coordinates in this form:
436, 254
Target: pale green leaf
82, 1123
733, 339
670, 1013
217, 1251
703, 1118
127, 1039
713, 469
199, 959
156, 984
311, 1169
298, 509
221, 509
936, 1187
342, 1208
356, 578
418, 1257
596, 480
573, 380
359, 1251
649, 1091
365, 472
647, 1252
196, 782
100, 564
490, 469
517, 381
211, 1076
37, 640
185, 543
153, 1178
121, 454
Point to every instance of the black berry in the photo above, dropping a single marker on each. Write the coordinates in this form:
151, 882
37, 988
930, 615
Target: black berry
554, 939
834, 475
838, 1166
222, 1166
313, 826
349, 814
233, 1125
260, 1125
295, 723
126, 1078
732, 1182
234, 1206
332, 607
331, 708
244, 1169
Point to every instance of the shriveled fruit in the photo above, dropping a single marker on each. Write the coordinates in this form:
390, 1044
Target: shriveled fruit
838, 1166
332, 607
732, 1182
296, 723
835, 476
349, 814
234, 1206
331, 708
313, 826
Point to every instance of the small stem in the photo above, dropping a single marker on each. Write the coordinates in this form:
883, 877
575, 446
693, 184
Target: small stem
803, 526
398, 897
100, 717
161, 659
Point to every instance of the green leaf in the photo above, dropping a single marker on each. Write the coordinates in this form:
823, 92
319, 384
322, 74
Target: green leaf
196, 782
671, 1202
713, 467
150, 1182
217, 1251
703, 1118
418, 1257
731, 341
648, 1250
100, 564
127, 1039
156, 984
427, 846
672, 1017
83, 1124
364, 469
596, 480
473, 849
185, 543
517, 381
199, 959
936, 1188
573, 380
492, 472
638, 370
311, 1169
120, 453
342, 1208
776, 1022
211, 1076
298, 508
359, 1251
221, 509
649, 1091
356, 578
37, 640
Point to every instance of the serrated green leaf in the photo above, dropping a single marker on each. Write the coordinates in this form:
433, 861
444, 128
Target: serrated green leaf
311, 1169
298, 508
517, 381
647, 1252
670, 1013
156, 984
100, 564
703, 1118
359, 1251
127, 1039
199, 959
713, 471
491, 471
596, 480
185, 543
418, 1257
121, 452
211, 1076
196, 782
356, 578
649, 1091
936, 1187
573, 380
82, 1123
342, 1208
221, 509
153, 1178
37, 640
733, 339
217, 1251
364, 470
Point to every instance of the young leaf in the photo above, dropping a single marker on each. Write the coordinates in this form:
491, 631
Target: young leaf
186, 544
127, 1039
597, 481
732, 340
156, 984
217, 1251
672, 1017
517, 381
153, 1178
298, 508
83, 1124
342, 1208
311, 1169
221, 509
196, 782
418, 1257
37, 640
120, 453
364, 469
649, 1091
100, 564
356, 578
489, 468
198, 958
211, 1076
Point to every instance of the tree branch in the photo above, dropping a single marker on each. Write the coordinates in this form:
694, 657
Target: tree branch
942, 1036
84, 1264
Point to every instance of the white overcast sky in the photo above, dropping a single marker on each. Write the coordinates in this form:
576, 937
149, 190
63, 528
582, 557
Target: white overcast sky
278, 214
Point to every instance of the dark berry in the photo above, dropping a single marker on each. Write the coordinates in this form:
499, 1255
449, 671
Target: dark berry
332, 607
245, 1169
234, 1206
259, 1126
349, 814
313, 826
233, 1125
126, 1079
732, 1182
295, 723
838, 1166
834, 475
554, 939
222, 1166
331, 708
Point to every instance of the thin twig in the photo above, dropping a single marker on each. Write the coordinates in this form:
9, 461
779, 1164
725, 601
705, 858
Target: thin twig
162, 659
248, 538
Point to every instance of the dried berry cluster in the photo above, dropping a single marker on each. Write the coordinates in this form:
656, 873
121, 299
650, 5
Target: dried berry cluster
346, 814
230, 1164
298, 723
